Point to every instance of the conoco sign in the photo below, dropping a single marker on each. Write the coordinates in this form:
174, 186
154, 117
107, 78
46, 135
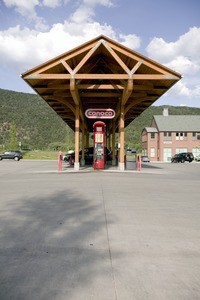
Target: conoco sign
100, 113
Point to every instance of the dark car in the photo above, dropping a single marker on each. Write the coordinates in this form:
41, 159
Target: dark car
88, 156
182, 157
12, 154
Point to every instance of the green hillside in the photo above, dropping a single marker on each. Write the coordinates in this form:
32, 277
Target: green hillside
37, 126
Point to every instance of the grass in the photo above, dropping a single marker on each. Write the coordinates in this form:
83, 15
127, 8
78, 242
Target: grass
39, 154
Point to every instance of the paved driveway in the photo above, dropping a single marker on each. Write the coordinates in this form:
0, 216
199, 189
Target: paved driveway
99, 235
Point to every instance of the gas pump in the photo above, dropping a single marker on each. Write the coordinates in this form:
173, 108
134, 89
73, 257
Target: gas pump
99, 130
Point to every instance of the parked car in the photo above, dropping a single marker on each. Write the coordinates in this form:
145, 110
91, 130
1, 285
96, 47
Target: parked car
182, 157
145, 158
13, 154
197, 158
89, 153
128, 151
65, 156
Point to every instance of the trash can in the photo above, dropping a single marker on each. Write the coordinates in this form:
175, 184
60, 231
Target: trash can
130, 161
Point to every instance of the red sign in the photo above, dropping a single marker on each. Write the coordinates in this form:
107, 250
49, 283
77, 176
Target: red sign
100, 113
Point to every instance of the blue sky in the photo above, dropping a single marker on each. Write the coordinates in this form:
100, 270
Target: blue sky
33, 31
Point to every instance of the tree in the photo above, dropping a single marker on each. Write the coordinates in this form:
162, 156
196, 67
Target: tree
13, 144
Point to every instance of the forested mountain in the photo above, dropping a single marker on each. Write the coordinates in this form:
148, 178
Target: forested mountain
37, 126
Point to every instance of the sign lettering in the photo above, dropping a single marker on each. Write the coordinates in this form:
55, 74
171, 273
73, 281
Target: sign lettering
100, 113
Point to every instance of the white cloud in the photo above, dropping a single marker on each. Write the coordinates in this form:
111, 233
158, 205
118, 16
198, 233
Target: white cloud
86, 10
24, 7
106, 3
82, 14
182, 90
33, 47
189, 43
182, 56
131, 40
52, 3
184, 65
183, 105
27, 10
186, 50
27, 7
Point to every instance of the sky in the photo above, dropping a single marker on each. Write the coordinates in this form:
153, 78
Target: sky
167, 31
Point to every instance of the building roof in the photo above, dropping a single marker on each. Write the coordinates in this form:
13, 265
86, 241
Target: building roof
150, 129
100, 74
178, 123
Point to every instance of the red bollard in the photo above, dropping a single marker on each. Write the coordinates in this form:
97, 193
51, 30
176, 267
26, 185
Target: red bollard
60, 159
139, 163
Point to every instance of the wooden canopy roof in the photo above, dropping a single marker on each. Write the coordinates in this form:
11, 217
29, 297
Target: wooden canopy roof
100, 74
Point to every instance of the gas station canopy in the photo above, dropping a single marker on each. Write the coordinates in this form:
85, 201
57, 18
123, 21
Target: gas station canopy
101, 74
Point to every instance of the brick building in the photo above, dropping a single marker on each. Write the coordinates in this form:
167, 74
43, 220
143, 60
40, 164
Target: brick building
171, 134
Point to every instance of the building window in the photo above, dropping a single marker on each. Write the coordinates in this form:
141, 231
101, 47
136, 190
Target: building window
196, 135
152, 154
196, 151
167, 135
180, 136
185, 136
152, 135
167, 154
180, 150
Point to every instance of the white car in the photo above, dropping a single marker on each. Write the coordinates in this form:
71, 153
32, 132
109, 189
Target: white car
145, 158
67, 154
197, 158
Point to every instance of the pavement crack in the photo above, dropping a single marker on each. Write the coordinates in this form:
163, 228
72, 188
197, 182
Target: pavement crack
109, 248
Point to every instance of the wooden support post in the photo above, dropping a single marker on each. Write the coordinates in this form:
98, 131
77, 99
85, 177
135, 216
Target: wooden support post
113, 144
108, 140
77, 130
83, 147
121, 139
87, 139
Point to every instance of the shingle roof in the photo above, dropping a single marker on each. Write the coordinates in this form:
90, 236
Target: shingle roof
178, 123
151, 129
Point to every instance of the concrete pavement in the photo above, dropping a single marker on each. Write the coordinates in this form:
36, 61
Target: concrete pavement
99, 235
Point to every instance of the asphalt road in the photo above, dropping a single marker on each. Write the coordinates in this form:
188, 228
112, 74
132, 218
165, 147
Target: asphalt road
99, 235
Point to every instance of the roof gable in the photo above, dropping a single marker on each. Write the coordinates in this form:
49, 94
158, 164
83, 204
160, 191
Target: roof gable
108, 48
100, 74
150, 129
